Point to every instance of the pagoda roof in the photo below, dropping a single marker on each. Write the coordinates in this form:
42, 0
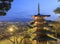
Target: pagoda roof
44, 32
58, 35
42, 15
44, 38
38, 25
42, 20
47, 25
44, 25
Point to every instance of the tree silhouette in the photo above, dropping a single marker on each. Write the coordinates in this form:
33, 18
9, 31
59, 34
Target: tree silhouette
5, 5
57, 10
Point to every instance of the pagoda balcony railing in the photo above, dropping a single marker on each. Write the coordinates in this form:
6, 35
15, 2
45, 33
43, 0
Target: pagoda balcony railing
42, 20
38, 28
38, 17
36, 25
41, 16
39, 22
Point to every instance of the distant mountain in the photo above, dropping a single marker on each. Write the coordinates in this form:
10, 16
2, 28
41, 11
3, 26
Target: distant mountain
16, 19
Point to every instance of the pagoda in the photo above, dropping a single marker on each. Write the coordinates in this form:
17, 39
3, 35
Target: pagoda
41, 33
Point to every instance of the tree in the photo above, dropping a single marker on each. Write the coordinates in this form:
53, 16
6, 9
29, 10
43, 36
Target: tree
16, 34
58, 0
5, 5
57, 10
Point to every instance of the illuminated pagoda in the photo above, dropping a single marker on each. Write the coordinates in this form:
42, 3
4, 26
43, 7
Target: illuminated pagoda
41, 33
5, 5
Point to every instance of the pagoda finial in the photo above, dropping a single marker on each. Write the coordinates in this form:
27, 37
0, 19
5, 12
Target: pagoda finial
38, 8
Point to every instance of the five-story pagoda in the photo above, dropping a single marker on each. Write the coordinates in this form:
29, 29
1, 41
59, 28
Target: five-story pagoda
41, 33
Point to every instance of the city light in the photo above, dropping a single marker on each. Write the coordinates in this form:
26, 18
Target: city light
11, 29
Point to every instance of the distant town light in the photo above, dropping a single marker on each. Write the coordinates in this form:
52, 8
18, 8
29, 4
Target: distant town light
11, 29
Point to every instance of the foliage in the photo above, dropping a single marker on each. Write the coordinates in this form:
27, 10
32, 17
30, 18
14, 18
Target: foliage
57, 10
5, 5
58, 0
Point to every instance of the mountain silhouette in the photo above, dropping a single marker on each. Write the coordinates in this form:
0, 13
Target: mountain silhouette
16, 19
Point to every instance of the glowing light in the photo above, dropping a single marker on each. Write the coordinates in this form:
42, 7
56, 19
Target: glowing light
11, 29
39, 22
36, 22
46, 28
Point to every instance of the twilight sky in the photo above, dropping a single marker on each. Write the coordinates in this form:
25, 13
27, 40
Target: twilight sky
27, 8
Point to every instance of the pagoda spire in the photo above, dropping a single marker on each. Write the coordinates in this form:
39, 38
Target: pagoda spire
38, 8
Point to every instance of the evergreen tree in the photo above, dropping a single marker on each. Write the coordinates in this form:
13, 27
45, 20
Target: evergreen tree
5, 5
57, 10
